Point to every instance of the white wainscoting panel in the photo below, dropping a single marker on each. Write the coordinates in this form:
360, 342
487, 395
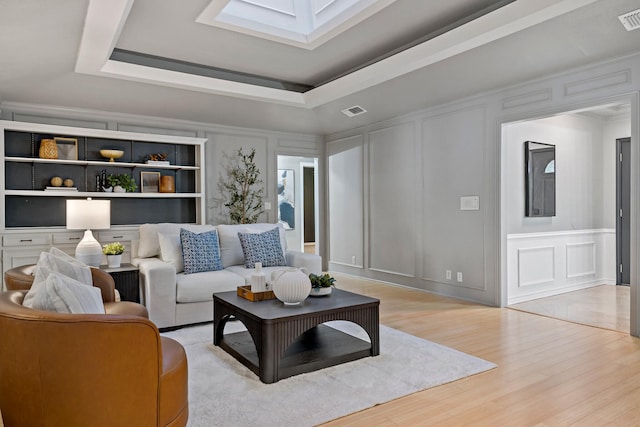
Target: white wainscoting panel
536, 265
545, 264
581, 259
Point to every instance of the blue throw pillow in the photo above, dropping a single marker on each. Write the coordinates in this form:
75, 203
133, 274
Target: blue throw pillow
200, 251
262, 247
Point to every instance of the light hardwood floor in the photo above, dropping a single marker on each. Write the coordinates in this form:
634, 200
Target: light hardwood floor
550, 372
604, 306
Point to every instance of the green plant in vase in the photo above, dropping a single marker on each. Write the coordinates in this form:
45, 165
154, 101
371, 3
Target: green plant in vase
124, 181
113, 251
321, 284
114, 248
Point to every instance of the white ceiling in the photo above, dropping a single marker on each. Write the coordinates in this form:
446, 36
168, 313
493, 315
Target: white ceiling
42, 42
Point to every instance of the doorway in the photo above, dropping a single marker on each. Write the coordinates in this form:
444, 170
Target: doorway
309, 200
297, 209
556, 266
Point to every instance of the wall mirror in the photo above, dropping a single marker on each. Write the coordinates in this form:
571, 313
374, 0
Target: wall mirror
540, 179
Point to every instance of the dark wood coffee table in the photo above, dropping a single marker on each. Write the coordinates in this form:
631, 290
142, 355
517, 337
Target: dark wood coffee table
282, 341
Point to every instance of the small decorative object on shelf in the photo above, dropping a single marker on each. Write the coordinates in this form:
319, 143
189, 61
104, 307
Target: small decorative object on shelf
57, 184
48, 149
61, 189
111, 154
158, 159
321, 284
67, 148
291, 285
150, 182
114, 252
125, 183
167, 184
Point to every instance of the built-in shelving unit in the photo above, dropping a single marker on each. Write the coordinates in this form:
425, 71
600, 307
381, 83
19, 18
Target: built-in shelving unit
33, 220
26, 175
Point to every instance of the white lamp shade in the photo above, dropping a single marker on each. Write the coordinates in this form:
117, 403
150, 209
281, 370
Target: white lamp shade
88, 214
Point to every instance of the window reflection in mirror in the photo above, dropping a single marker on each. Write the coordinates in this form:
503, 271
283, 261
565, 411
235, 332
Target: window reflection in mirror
540, 179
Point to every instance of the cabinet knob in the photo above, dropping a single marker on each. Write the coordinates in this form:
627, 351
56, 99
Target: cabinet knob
26, 240
118, 237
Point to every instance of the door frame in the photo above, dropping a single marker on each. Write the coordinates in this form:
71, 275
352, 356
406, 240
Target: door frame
633, 98
623, 211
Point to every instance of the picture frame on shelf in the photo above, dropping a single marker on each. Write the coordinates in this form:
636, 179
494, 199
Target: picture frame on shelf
67, 148
150, 182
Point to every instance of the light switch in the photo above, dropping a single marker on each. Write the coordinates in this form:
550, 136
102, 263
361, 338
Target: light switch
267, 206
469, 203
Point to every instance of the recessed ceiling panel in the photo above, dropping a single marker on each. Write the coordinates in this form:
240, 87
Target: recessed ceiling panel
302, 23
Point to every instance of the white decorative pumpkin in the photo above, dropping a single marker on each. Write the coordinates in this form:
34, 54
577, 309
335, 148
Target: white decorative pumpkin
291, 285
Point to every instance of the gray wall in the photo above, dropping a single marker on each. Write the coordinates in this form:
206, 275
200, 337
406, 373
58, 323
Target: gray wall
394, 201
394, 187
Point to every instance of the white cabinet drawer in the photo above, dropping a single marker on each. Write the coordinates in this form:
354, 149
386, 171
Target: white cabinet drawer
62, 238
116, 236
26, 240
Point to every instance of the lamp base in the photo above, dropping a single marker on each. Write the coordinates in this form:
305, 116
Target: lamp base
89, 251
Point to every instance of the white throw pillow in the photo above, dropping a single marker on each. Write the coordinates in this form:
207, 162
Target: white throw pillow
66, 295
171, 250
149, 243
59, 262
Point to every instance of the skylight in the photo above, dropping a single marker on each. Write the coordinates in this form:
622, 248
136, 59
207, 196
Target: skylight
303, 23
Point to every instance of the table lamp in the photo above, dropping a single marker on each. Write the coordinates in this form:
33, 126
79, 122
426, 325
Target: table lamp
86, 215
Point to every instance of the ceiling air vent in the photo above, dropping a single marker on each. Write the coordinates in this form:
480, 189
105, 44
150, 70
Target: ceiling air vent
631, 20
354, 111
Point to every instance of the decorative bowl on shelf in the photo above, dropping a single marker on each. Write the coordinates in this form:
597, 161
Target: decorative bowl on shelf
111, 154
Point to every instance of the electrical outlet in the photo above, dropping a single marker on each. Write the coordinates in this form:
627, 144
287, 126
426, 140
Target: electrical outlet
448, 275
459, 276
353, 260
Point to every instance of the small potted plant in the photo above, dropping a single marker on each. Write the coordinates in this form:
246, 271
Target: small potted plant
122, 183
113, 251
321, 284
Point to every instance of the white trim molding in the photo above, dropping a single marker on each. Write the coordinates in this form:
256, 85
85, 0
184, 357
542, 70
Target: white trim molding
105, 20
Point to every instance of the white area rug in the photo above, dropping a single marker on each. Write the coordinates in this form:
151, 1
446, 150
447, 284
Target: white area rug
222, 392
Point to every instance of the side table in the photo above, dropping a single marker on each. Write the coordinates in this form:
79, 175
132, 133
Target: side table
127, 281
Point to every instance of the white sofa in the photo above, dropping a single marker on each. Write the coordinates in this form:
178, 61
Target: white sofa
174, 298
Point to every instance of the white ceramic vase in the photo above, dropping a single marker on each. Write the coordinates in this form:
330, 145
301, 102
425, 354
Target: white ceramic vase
258, 279
318, 292
113, 261
291, 285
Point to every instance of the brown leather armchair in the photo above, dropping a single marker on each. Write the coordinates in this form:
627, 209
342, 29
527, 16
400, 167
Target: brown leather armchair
109, 369
21, 278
